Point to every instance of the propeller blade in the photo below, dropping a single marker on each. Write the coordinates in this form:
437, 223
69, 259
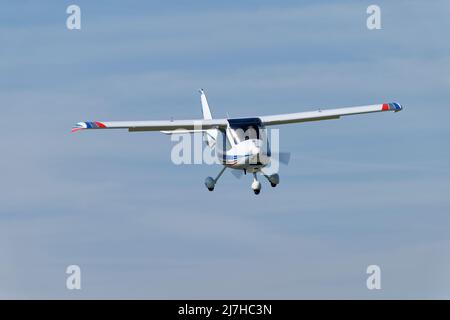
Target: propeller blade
284, 157
275, 160
281, 157
237, 173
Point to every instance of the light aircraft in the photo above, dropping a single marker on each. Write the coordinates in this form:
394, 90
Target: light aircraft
243, 142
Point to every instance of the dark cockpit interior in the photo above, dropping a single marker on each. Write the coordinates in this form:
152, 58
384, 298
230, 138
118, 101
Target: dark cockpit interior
246, 128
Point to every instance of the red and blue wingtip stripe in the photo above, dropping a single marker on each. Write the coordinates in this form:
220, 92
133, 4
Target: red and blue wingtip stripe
394, 106
88, 125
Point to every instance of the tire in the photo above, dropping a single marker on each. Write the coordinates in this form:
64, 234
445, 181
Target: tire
257, 191
273, 185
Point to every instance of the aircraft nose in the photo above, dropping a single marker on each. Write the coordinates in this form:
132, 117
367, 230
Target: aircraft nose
255, 150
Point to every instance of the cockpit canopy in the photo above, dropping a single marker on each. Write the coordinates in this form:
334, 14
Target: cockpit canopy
246, 128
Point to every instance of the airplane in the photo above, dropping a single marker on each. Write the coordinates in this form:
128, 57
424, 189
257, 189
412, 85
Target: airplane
242, 143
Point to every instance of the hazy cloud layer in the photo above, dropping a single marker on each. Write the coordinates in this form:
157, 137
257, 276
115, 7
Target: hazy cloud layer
358, 191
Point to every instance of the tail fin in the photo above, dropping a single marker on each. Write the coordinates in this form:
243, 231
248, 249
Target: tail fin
205, 106
210, 135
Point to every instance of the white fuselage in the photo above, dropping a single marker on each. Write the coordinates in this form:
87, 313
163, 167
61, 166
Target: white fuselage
250, 154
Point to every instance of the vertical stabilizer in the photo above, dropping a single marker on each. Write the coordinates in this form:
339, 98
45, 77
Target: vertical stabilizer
205, 107
211, 134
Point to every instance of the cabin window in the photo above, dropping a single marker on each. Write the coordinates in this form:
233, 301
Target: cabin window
245, 129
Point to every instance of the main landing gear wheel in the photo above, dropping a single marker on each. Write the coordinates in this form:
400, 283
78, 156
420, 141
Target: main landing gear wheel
274, 179
210, 182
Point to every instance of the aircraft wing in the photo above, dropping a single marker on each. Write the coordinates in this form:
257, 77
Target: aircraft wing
199, 125
327, 114
158, 125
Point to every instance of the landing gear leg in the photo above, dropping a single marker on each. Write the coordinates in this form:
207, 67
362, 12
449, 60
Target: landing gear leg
256, 185
210, 183
274, 179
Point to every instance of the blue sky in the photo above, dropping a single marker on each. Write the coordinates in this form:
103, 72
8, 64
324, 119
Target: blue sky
358, 191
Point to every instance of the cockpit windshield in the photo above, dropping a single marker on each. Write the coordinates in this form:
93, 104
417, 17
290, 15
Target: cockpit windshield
245, 128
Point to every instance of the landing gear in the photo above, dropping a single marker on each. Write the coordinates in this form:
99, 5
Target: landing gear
274, 179
210, 183
256, 185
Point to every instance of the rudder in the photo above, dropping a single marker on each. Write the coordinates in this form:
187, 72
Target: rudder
210, 135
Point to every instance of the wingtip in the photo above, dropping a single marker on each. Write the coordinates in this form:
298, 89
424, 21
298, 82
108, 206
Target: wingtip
78, 126
393, 106
399, 107
88, 125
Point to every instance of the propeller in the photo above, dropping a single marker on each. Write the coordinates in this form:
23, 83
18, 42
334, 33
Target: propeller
275, 159
237, 173
283, 157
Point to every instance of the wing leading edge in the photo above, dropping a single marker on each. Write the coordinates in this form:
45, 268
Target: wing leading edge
327, 114
157, 125
198, 125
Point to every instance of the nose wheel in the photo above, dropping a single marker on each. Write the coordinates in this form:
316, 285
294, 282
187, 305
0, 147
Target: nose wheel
256, 185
